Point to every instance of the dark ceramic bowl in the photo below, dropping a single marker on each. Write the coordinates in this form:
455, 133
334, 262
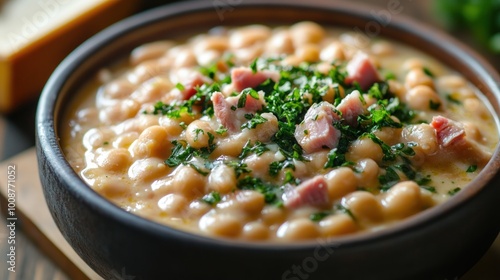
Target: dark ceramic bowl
440, 243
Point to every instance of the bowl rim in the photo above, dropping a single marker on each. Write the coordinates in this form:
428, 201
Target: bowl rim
48, 109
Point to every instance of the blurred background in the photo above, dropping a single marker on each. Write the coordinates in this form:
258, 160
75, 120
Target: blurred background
474, 22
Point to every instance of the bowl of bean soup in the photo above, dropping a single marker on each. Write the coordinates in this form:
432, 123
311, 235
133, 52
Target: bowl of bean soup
272, 140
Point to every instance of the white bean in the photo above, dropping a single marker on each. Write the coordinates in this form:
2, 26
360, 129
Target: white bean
199, 134
147, 169
306, 32
298, 229
279, 43
333, 52
114, 160
220, 224
246, 36
222, 179
402, 200
364, 207
173, 204
416, 77
119, 111
341, 181
153, 142
188, 182
149, 51
337, 225
255, 231
367, 173
424, 98
364, 148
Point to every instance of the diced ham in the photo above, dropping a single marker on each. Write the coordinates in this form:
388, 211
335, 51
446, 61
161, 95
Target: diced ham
189, 80
312, 192
317, 130
361, 70
452, 138
229, 115
190, 86
351, 107
223, 111
448, 131
243, 78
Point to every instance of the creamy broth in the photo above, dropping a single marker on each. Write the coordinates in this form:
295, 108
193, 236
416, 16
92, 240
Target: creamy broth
278, 134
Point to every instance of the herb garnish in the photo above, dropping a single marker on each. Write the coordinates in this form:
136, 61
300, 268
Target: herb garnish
288, 99
211, 198
257, 148
434, 105
182, 154
316, 217
471, 168
253, 121
454, 191
451, 98
428, 72
179, 86
271, 192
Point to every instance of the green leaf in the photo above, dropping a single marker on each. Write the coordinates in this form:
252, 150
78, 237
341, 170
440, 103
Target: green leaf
428, 72
253, 65
316, 217
180, 86
471, 168
389, 179
257, 148
453, 191
211, 198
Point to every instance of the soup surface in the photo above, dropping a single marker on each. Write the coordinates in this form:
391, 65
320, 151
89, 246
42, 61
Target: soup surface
278, 133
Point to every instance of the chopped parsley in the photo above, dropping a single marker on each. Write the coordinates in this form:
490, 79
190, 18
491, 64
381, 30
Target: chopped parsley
209, 71
389, 179
471, 168
452, 99
434, 105
180, 86
254, 120
257, 148
345, 210
221, 130
428, 72
389, 76
182, 154
239, 168
211, 198
253, 65
271, 192
276, 166
197, 133
316, 217
453, 191
429, 188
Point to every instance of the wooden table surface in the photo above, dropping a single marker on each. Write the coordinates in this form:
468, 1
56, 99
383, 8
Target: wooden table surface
17, 135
